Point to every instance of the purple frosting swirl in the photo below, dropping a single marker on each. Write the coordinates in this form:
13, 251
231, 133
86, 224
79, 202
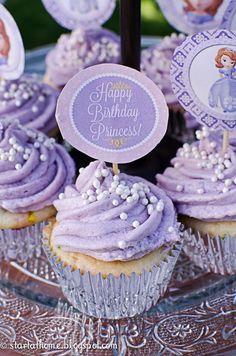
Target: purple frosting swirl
30, 101
33, 169
202, 181
78, 50
114, 217
156, 62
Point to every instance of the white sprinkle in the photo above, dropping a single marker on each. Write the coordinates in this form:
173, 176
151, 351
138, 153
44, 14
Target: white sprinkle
227, 163
225, 190
179, 188
96, 183
153, 199
171, 229
115, 202
129, 200
12, 140
61, 196
84, 196
81, 170
28, 150
35, 109
135, 224
116, 178
228, 182
100, 196
18, 166
160, 206
121, 244
200, 191
135, 196
43, 158
119, 190
141, 194
92, 198
177, 165
90, 192
213, 144
123, 216
214, 179
36, 144
150, 209
98, 174
26, 157
221, 176
11, 158
144, 201
105, 172
18, 103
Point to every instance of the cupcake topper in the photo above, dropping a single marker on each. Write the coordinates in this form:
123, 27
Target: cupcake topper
72, 14
112, 112
12, 54
229, 19
191, 16
204, 78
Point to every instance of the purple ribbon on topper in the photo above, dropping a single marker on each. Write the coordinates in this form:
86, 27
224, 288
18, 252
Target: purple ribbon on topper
112, 113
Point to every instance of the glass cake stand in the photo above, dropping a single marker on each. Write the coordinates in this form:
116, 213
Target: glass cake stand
197, 314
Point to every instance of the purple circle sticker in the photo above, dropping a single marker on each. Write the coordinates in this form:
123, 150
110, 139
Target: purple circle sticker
204, 77
229, 19
72, 14
112, 113
12, 54
191, 16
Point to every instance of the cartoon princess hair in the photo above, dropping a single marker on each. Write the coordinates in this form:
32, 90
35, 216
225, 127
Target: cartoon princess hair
211, 9
4, 51
225, 52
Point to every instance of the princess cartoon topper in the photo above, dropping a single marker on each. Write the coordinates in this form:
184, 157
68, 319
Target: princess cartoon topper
223, 92
191, 16
12, 55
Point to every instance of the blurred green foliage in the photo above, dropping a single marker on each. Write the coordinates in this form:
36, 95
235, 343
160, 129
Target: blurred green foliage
39, 28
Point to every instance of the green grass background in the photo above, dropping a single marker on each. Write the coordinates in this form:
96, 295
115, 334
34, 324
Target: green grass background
39, 28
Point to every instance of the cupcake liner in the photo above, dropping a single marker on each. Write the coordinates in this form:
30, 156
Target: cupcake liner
217, 255
113, 297
21, 244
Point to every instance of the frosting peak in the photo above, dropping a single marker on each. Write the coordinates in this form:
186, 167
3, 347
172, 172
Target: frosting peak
113, 217
202, 181
33, 168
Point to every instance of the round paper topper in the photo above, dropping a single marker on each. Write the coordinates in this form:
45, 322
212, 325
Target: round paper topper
112, 113
72, 14
204, 77
12, 54
191, 16
229, 19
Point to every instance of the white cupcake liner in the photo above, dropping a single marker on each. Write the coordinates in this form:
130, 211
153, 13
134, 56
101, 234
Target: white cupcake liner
112, 297
217, 255
21, 244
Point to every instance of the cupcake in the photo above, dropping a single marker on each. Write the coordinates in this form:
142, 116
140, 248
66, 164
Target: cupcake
30, 101
202, 185
33, 172
78, 50
114, 243
156, 64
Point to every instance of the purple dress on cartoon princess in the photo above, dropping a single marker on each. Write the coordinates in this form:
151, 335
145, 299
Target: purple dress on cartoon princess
223, 91
83, 6
199, 12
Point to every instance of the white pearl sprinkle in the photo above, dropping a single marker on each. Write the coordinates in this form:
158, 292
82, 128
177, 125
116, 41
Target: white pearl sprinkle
122, 244
115, 202
36, 144
116, 178
129, 200
214, 179
144, 201
179, 188
90, 192
91, 198
228, 182
153, 199
171, 229
225, 190
105, 172
98, 174
135, 224
123, 216
160, 206
200, 191
84, 196
43, 158
81, 170
61, 196
12, 140
35, 109
18, 166
150, 209
96, 183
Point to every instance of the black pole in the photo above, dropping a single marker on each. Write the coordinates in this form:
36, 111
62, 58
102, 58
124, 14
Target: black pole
130, 30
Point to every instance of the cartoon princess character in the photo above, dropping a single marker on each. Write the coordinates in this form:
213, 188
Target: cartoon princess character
83, 6
199, 12
223, 91
4, 44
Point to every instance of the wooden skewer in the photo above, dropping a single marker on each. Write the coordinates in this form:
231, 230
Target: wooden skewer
225, 141
115, 168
